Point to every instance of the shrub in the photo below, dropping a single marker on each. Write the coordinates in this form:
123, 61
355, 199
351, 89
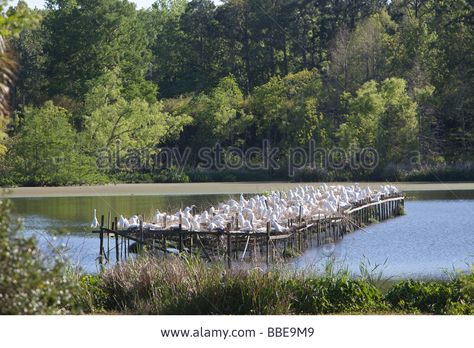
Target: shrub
29, 283
90, 296
171, 175
450, 297
328, 295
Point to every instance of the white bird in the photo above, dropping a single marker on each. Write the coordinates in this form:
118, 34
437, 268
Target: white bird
95, 222
158, 217
185, 224
123, 223
243, 202
204, 218
134, 220
277, 227
252, 214
212, 226
247, 226
196, 226
241, 219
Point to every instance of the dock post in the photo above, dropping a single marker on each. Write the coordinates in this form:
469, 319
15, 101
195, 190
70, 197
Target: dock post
101, 236
300, 213
268, 244
180, 246
115, 229
191, 243
141, 236
229, 247
117, 256
109, 220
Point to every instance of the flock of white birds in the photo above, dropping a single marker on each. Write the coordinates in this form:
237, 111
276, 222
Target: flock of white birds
253, 214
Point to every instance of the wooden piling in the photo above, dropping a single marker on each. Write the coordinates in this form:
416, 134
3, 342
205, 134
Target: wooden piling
229, 247
101, 236
116, 235
180, 244
267, 258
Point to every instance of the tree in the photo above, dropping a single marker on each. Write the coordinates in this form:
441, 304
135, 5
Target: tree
220, 116
383, 117
31, 81
44, 152
169, 47
398, 126
286, 109
137, 123
88, 37
453, 75
236, 19
364, 111
361, 55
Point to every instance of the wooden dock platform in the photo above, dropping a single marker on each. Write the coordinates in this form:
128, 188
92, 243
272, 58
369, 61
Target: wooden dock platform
231, 244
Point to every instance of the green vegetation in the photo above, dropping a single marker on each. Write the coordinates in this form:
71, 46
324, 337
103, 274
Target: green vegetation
395, 76
47, 151
30, 283
175, 285
453, 297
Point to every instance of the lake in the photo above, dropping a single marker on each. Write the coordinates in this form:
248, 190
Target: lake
435, 235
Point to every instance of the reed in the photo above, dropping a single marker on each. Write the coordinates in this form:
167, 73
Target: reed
177, 285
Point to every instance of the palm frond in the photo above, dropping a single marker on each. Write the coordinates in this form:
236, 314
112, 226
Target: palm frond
7, 75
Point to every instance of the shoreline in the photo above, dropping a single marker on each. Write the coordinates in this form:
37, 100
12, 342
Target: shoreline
203, 189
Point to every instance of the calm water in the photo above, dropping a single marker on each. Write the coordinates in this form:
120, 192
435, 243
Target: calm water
437, 234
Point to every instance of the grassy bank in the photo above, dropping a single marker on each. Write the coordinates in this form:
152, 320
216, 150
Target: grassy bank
190, 286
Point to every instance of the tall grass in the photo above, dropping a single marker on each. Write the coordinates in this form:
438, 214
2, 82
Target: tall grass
177, 285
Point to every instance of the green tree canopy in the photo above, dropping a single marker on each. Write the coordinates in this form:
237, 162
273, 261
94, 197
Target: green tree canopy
45, 150
136, 123
286, 109
383, 117
220, 116
87, 37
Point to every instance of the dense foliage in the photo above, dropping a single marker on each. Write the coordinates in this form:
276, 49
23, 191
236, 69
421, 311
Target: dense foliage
393, 75
30, 283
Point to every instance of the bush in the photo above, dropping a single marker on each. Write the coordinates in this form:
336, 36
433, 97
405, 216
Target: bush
441, 172
30, 284
90, 297
450, 297
171, 175
329, 295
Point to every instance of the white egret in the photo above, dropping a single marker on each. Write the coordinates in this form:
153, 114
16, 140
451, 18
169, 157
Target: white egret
95, 222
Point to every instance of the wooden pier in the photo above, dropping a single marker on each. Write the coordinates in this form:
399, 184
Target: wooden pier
231, 244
